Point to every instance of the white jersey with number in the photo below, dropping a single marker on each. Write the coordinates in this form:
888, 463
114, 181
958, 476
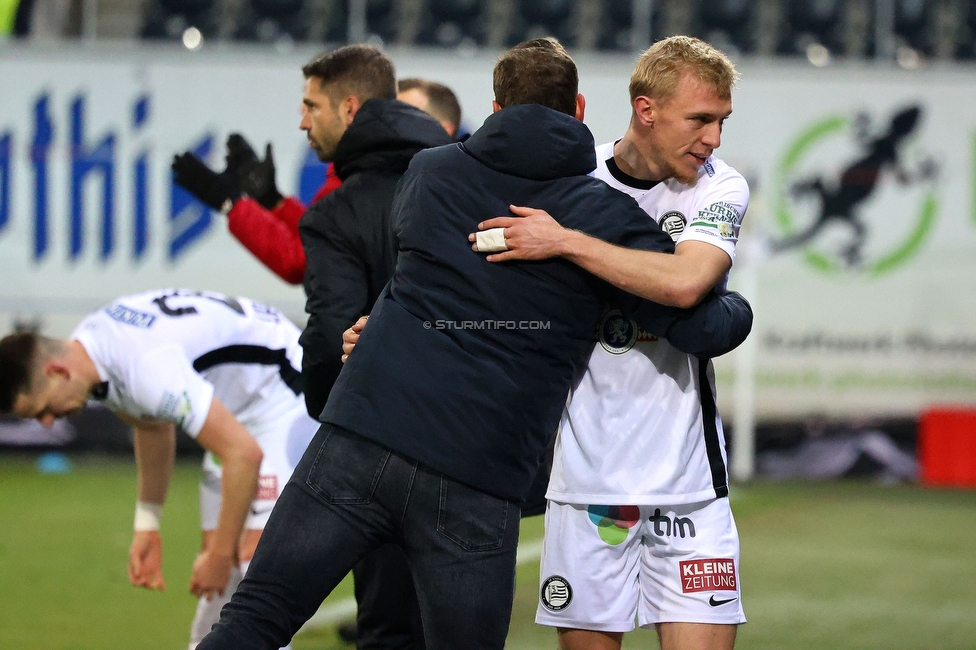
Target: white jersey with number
166, 354
641, 427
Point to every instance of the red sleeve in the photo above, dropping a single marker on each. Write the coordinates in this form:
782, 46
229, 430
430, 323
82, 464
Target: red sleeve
270, 238
272, 235
331, 182
289, 212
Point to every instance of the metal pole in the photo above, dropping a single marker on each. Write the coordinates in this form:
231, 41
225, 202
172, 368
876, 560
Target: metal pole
356, 27
640, 24
884, 29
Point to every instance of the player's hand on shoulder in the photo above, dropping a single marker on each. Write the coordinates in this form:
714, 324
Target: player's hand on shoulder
146, 560
530, 235
351, 336
211, 572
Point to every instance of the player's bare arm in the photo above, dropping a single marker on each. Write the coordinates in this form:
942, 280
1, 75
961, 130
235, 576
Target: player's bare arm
679, 280
155, 448
240, 459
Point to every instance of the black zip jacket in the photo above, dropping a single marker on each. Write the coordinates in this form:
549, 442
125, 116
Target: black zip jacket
465, 365
348, 244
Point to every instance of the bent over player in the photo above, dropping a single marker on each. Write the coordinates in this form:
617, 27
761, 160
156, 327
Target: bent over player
222, 369
639, 523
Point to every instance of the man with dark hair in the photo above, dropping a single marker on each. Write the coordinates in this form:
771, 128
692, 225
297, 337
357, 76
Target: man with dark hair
436, 426
434, 98
516, 74
223, 370
353, 120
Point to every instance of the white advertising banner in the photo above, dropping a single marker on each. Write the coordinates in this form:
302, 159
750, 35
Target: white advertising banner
858, 251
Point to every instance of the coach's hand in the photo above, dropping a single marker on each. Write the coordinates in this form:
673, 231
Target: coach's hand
219, 191
351, 336
211, 572
146, 560
530, 235
256, 177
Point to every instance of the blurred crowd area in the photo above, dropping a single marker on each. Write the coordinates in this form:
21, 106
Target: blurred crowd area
908, 31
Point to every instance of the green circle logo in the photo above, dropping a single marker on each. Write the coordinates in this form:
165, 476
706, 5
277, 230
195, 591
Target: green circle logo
843, 199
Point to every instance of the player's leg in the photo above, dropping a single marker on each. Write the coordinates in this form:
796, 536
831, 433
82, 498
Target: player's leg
336, 508
208, 611
273, 474
461, 545
696, 636
588, 574
589, 640
690, 576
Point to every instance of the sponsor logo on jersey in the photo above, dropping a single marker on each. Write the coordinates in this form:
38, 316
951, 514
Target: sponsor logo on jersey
714, 574
617, 334
673, 223
666, 526
267, 488
613, 523
714, 602
708, 168
176, 408
719, 218
556, 594
128, 316
720, 211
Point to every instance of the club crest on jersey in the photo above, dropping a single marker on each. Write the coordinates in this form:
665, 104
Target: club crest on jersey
617, 334
556, 594
673, 223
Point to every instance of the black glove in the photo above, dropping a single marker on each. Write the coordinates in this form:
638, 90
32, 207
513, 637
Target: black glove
219, 191
256, 177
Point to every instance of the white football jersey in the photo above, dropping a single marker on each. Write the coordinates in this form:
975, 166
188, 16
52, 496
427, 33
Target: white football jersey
165, 354
641, 427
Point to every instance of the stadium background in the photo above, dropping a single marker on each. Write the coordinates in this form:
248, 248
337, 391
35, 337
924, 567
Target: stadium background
846, 358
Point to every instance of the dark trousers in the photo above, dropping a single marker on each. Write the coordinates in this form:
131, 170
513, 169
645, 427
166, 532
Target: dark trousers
349, 496
388, 614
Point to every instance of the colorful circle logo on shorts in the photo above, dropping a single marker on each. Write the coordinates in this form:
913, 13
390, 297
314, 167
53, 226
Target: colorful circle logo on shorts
556, 594
614, 522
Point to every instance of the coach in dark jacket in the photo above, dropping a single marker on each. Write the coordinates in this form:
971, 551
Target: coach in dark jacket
347, 239
437, 422
352, 119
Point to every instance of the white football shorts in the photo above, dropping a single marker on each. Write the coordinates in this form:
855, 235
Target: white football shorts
283, 441
604, 566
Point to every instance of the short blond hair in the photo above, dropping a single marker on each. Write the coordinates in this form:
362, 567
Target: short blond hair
661, 65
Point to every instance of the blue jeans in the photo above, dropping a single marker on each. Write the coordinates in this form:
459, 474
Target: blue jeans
349, 496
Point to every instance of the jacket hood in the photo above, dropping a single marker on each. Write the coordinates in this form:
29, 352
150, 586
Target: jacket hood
384, 135
534, 142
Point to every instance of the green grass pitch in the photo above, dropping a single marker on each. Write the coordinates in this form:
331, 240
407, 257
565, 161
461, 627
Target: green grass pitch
824, 565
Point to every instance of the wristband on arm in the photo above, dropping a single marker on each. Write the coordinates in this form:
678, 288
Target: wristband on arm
147, 516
